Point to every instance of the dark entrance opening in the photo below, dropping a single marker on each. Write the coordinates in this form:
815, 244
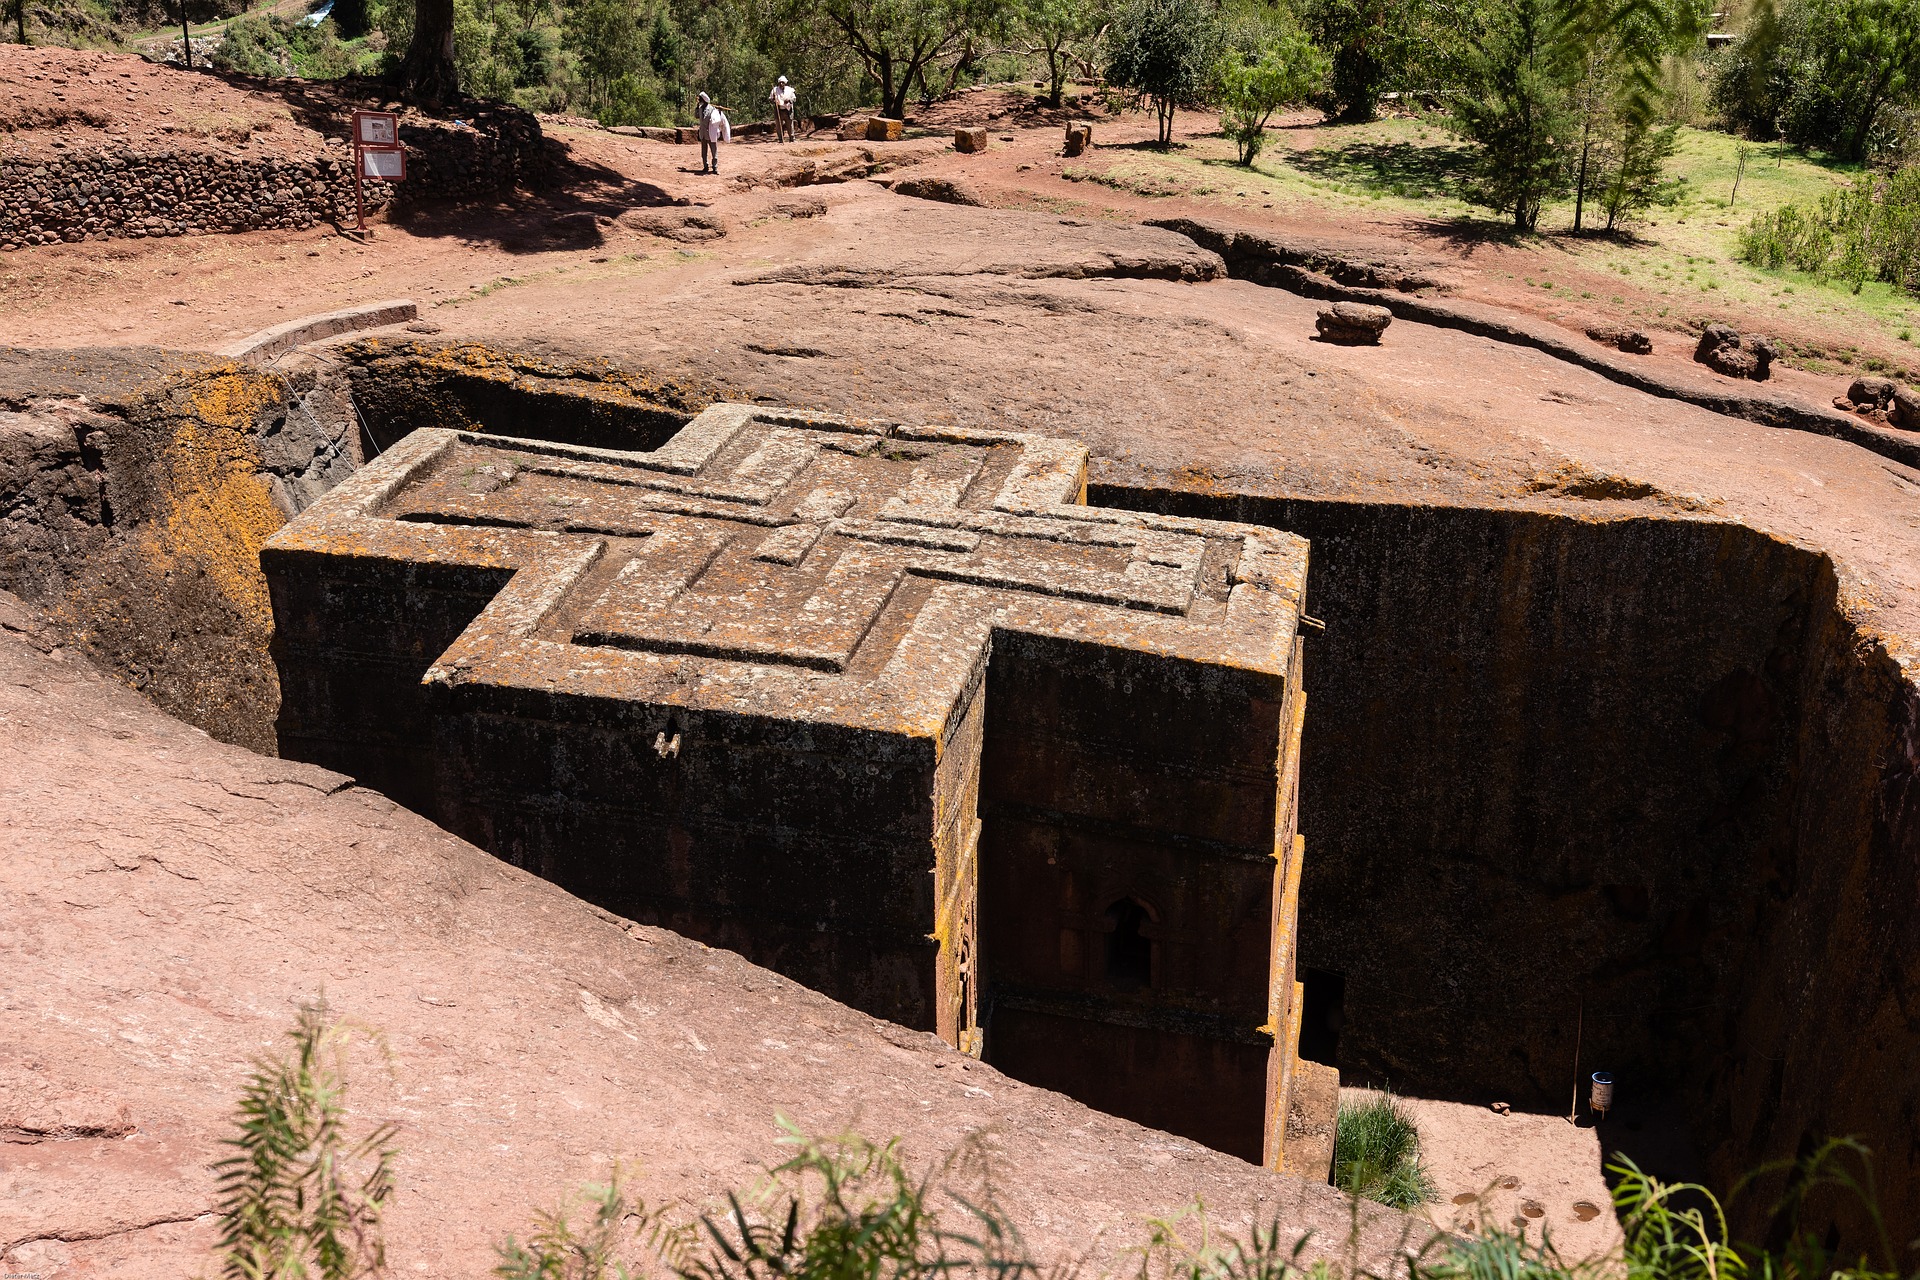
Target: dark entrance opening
1129, 950
1323, 1008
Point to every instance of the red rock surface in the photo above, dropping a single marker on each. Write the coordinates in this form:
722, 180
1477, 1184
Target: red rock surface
172, 900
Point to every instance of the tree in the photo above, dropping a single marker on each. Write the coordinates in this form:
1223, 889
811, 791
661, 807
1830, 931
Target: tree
1519, 114
1616, 50
1636, 177
1365, 39
1822, 73
1868, 55
1287, 71
1164, 50
606, 37
428, 72
901, 41
1053, 29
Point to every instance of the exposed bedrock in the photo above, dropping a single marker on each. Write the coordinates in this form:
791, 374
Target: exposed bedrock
1639, 775
1632, 773
136, 487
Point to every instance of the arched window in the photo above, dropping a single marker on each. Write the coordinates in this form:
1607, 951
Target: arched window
1129, 951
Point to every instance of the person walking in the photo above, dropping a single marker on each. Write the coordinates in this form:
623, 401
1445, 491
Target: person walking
782, 98
711, 124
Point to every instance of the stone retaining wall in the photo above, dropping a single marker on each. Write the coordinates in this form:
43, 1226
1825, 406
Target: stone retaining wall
97, 195
101, 193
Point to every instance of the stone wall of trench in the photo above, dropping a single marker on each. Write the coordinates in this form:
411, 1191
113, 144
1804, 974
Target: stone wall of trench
136, 489
1636, 779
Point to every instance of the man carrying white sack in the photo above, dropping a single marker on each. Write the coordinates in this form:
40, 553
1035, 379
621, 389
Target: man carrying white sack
710, 123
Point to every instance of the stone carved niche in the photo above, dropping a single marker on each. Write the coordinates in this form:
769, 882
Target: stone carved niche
885, 708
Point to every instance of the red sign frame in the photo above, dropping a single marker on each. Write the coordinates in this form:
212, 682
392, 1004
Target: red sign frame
365, 153
376, 129
376, 138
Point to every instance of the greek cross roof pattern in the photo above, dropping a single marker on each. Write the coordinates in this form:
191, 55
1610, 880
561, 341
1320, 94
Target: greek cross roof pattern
779, 563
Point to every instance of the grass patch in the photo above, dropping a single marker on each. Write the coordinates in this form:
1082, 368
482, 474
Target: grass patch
1376, 1153
1404, 167
1684, 259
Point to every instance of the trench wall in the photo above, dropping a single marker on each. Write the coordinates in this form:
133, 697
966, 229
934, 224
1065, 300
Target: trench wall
1637, 775
1638, 770
136, 489
400, 386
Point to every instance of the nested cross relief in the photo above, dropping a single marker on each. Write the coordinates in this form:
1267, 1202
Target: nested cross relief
788, 546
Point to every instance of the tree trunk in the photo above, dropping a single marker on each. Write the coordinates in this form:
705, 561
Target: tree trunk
428, 73
1580, 183
892, 103
1056, 75
1857, 144
20, 19
1164, 106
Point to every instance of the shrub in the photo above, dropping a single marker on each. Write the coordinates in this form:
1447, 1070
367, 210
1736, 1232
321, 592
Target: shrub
298, 1198
853, 1211
617, 1241
252, 46
1505, 1254
1187, 1247
1376, 1153
1869, 231
272, 46
1288, 70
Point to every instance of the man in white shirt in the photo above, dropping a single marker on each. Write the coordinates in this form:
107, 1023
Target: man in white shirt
782, 98
711, 125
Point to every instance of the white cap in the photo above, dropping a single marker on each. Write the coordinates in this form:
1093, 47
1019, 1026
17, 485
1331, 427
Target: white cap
782, 80
705, 98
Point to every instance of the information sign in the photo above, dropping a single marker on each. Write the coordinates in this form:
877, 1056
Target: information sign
376, 128
387, 164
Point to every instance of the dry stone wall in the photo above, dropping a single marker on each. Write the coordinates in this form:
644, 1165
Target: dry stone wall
104, 193
98, 195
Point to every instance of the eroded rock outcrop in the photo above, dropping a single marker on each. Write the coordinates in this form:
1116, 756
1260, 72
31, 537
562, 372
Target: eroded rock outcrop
1353, 324
1737, 355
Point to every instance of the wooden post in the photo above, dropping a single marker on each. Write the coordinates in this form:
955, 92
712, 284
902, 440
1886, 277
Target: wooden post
1579, 1020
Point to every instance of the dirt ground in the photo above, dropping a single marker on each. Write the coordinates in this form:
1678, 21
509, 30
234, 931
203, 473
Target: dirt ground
1515, 1171
848, 296
75, 99
69, 99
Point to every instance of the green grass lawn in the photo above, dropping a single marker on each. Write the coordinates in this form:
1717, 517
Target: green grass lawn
1679, 259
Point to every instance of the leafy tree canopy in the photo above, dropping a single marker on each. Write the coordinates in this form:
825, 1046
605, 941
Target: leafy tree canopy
1166, 51
1287, 71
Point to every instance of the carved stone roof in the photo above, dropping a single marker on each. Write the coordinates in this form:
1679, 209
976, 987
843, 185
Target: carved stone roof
824, 570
